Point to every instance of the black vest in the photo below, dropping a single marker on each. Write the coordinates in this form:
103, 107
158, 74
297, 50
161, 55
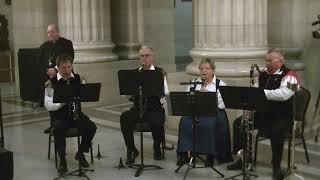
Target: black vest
151, 103
280, 109
63, 113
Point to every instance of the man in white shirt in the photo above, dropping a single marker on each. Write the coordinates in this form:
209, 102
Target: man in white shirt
63, 117
154, 113
279, 85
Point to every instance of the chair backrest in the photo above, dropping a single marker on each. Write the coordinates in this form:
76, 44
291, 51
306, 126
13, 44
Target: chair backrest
302, 100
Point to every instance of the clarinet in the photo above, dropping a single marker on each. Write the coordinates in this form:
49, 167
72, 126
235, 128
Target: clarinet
248, 122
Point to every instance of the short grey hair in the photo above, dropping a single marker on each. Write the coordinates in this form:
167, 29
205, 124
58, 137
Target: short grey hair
207, 61
277, 51
146, 47
56, 27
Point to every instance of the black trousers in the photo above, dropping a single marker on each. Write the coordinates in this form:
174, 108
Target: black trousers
273, 128
156, 119
86, 127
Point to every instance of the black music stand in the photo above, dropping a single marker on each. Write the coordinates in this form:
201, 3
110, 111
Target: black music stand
314, 116
1, 125
141, 84
194, 104
76, 94
89, 92
244, 98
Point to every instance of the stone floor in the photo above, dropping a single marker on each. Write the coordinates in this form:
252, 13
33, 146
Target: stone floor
24, 125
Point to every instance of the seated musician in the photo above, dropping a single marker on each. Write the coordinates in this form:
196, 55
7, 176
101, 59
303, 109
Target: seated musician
62, 115
277, 82
154, 113
213, 134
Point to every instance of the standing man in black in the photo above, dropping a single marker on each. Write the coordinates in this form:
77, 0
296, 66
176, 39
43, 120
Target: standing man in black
154, 113
279, 85
62, 115
49, 51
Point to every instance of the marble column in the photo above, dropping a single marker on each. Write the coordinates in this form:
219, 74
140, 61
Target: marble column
88, 24
125, 28
287, 29
28, 22
231, 32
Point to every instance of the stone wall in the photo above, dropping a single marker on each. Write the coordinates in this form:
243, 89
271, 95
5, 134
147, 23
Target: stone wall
310, 57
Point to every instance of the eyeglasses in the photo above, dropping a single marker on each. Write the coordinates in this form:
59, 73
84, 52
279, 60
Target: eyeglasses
269, 62
144, 55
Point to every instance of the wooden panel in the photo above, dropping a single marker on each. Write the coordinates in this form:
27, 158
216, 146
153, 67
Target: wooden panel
5, 76
6, 67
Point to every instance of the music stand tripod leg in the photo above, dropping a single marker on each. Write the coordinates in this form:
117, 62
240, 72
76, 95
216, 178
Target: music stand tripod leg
140, 167
190, 166
192, 163
246, 175
80, 173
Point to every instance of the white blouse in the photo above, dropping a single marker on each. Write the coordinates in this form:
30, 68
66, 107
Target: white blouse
211, 87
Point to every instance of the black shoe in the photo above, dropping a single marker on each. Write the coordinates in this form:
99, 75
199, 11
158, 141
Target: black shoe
62, 166
236, 165
131, 156
48, 130
82, 160
278, 174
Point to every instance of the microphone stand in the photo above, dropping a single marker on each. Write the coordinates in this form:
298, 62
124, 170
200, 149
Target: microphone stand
314, 116
75, 110
1, 124
194, 156
140, 167
291, 171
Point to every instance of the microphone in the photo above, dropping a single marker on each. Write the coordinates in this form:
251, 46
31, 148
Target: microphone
191, 83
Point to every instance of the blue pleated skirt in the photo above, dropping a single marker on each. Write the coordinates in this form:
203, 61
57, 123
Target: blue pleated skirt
212, 136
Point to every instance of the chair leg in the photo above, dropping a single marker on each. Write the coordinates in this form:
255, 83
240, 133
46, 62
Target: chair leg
289, 152
255, 150
163, 147
55, 155
305, 149
141, 148
78, 142
49, 146
91, 153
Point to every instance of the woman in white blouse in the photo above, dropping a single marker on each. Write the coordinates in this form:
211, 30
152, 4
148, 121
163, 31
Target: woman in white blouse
213, 133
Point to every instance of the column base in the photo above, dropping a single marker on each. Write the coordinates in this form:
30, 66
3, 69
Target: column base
94, 53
